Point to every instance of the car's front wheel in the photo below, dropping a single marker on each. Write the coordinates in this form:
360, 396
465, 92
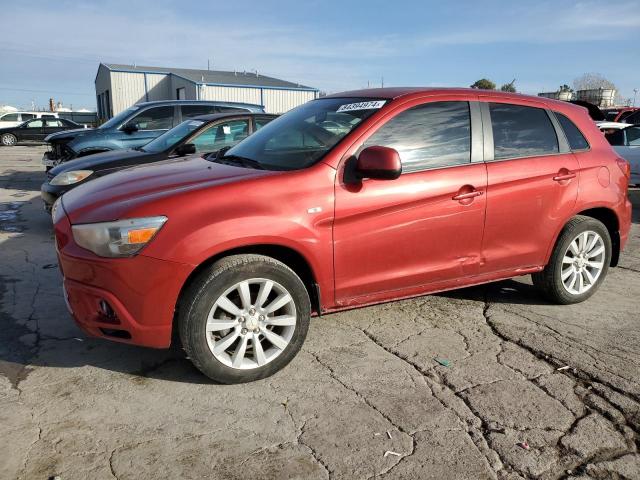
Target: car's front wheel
244, 318
579, 262
8, 140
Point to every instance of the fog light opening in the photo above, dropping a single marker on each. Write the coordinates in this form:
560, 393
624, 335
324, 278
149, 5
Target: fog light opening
111, 332
106, 313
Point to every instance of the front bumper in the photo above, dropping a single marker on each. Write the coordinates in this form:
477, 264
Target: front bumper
130, 300
50, 193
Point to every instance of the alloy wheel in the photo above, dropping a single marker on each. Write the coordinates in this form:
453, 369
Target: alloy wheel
8, 140
583, 262
251, 323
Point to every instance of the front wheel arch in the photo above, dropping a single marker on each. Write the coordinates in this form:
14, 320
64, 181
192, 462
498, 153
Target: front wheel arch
290, 257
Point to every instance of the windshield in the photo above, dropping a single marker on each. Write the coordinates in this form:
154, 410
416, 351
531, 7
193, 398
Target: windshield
304, 135
118, 119
170, 138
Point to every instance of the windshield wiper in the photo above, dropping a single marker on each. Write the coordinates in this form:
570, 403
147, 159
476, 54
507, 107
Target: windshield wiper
239, 160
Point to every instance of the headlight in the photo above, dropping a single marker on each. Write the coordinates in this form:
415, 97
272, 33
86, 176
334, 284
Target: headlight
123, 238
69, 178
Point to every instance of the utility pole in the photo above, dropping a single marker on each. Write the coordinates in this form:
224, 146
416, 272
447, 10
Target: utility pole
382, 81
635, 93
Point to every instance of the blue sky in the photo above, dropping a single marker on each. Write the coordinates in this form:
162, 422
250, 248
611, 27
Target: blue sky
54, 48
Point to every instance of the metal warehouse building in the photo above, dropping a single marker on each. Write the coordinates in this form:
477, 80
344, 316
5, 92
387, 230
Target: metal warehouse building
120, 86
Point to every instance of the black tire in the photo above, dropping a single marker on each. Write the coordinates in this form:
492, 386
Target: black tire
549, 280
8, 140
208, 286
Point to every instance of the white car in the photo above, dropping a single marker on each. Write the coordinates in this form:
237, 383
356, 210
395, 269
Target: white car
13, 119
625, 139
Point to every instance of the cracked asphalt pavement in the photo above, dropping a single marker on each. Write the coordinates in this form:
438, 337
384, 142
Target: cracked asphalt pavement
531, 390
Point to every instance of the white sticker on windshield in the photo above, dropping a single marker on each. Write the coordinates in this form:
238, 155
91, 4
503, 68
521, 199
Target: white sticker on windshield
349, 107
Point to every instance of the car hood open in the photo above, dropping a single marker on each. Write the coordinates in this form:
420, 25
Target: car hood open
113, 196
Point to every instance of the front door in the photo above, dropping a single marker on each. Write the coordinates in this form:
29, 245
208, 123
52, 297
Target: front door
532, 186
150, 123
32, 131
424, 227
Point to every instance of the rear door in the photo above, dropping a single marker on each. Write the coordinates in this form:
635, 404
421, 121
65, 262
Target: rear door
532, 184
31, 131
424, 227
52, 125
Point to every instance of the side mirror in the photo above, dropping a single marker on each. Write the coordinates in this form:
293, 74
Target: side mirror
380, 163
186, 149
129, 127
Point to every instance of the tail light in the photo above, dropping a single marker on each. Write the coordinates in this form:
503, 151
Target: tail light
625, 167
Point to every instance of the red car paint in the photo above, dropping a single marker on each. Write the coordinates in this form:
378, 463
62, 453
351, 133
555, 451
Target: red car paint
363, 243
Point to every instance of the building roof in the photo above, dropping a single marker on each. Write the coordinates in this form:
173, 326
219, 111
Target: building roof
214, 77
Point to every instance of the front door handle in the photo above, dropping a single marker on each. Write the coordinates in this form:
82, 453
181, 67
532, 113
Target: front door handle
464, 196
564, 176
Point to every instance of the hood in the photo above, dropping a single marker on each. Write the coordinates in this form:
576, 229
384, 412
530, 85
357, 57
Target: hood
67, 135
146, 187
99, 161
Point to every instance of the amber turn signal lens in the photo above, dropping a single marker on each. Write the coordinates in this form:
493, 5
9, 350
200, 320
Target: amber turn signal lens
142, 235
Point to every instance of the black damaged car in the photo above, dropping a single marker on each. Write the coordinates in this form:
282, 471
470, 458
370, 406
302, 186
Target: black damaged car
203, 134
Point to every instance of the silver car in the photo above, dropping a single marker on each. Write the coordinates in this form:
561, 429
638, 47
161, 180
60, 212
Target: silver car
625, 140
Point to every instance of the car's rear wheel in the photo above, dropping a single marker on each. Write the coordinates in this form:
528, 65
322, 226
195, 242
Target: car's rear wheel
244, 318
8, 140
579, 262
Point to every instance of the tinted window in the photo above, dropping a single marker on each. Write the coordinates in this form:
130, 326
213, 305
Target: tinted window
261, 122
189, 111
432, 135
633, 117
574, 135
158, 118
633, 136
221, 135
10, 117
614, 137
521, 131
27, 116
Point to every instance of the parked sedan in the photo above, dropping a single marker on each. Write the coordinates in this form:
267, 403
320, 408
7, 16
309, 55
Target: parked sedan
625, 139
35, 130
203, 134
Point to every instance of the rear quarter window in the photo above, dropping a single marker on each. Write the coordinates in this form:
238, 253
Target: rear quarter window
574, 135
520, 131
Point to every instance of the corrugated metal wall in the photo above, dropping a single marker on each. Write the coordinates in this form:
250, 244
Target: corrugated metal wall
280, 101
274, 100
158, 86
189, 88
230, 94
127, 89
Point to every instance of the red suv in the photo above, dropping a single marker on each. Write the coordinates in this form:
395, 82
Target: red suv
348, 200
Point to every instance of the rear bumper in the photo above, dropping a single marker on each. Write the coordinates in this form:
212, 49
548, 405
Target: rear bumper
130, 300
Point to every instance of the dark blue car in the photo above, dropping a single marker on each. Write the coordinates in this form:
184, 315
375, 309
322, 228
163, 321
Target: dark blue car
133, 128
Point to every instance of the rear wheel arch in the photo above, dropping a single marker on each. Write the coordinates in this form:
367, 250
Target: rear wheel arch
610, 220
287, 255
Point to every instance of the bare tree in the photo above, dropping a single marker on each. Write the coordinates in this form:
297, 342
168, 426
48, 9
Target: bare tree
590, 81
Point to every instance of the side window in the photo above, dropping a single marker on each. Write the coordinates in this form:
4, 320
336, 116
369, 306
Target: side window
34, 124
433, 135
633, 117
614, 137
27, 116
520, 131
10, 117
158, 118
261, 122
221, 135
574, 135
53, 123
633, 136
189, 111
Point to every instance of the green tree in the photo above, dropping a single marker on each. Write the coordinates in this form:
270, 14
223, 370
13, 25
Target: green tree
565, 88
484, 84
509, 87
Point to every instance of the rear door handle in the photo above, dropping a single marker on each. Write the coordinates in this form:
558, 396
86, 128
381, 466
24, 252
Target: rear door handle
564, 176
464, 196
